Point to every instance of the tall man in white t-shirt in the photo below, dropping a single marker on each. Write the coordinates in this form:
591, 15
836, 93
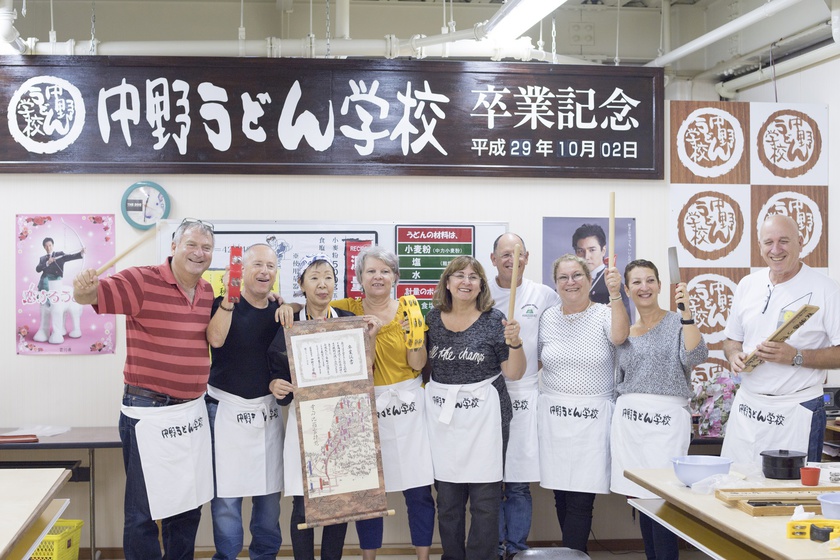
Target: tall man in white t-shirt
522, 464
780, 402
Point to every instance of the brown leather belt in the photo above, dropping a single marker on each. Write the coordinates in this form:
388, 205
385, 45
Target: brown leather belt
161, 398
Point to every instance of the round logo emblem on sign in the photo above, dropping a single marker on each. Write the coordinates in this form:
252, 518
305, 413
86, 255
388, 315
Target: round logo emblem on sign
710, 225
710, 142
46, 114
789, 143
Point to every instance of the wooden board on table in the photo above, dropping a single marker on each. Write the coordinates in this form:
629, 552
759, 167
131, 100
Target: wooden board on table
773, 510
777, 494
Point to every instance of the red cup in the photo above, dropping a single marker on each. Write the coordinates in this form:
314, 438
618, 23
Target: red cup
810, 475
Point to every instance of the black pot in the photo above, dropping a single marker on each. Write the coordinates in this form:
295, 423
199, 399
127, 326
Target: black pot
782, 464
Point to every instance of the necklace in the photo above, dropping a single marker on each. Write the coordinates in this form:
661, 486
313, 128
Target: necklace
326, 315
656, 322
577, 315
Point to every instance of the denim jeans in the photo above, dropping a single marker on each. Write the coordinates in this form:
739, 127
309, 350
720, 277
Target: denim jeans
303, 540
817, 435
574, 512
515, 518
660, 543
140, 533
228, 533
484, 499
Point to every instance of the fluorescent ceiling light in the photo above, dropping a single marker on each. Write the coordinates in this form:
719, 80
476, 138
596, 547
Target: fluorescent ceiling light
516, 17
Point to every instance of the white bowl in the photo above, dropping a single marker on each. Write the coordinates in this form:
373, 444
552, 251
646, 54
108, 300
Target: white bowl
691, 468
830, 503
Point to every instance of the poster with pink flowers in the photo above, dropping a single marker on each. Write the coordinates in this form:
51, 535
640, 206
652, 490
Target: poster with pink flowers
51, 250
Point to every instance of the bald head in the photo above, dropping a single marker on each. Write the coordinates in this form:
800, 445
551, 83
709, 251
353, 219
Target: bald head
502, 258
780, 244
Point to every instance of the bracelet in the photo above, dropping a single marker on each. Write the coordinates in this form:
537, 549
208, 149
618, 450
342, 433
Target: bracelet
229, 310
687, 321
517, 347
615, 298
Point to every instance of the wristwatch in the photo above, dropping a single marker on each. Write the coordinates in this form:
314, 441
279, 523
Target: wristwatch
798, 359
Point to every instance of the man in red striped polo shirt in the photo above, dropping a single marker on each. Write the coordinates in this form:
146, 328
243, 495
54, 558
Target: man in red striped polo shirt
163, 424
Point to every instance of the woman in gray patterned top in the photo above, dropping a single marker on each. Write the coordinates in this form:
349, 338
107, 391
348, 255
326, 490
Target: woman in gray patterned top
652, 423
468, 410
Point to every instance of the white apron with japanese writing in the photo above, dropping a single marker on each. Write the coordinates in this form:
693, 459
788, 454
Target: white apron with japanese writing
762, 422
176, 455
647, 432
292, 473
574, 433
522, 462
249, 445
465, 431
403, 439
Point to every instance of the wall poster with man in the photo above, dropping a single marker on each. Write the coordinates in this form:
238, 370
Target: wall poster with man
588, 238
331, 364
51, 250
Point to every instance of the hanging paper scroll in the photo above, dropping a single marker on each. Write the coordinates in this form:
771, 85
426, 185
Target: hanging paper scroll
332, 369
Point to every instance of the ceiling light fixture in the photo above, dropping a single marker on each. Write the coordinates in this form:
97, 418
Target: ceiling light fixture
516, 17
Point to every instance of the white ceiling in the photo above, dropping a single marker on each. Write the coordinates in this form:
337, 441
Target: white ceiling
593, 31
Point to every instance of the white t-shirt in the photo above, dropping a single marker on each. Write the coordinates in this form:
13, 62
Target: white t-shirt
532, 300
751, 323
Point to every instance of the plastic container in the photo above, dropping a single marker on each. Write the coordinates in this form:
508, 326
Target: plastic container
62, 542
830, 503
691, 468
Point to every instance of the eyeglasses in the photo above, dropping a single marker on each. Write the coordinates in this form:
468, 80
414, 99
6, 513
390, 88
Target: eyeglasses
187, 222
767, 301
577, 277
472, 278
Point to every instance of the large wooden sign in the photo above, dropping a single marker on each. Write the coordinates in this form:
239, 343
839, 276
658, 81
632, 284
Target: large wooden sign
332, 369
293, 116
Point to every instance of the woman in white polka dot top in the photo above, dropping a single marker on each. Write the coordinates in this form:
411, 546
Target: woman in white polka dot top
577, 343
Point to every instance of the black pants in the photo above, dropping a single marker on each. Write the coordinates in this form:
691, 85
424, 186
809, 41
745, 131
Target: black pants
485, 499
660, 543
574, 512
303, 540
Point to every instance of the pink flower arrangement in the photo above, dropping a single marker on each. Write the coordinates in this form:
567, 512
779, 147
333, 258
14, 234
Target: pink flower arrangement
712, 402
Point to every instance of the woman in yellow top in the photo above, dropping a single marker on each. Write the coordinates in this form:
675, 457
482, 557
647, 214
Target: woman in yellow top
406, 455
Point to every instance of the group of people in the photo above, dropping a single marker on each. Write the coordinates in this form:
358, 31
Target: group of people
567, 392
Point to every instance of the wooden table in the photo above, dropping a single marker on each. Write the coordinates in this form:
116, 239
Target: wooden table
77, 438
717, 529
26, 495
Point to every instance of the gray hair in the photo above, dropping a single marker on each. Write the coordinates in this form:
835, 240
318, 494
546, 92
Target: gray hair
190, 224
377, 252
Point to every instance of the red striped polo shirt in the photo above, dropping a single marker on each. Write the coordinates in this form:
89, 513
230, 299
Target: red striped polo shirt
166, 346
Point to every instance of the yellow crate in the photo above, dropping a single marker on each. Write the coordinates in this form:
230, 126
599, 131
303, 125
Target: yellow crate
62, 542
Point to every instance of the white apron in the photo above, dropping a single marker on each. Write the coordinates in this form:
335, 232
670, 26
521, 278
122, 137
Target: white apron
465, 430
176, 455
292, 473
522, 462
647, 432
761, 422
403, 439
574, 433
249, 445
